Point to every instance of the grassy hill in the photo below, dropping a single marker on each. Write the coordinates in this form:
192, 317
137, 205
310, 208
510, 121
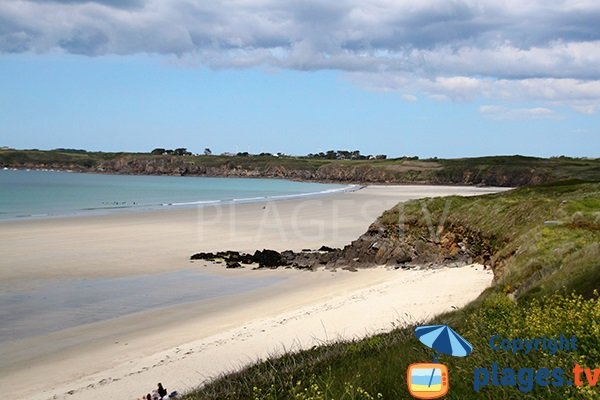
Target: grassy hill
545, 248
497, 171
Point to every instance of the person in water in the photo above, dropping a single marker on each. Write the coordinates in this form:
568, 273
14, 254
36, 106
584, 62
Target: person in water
162, 392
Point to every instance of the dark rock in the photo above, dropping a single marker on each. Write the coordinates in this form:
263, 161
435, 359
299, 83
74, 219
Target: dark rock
238, 257
403, 258
228, 255
327, 249
289, 256
246, 259
400, 255
304, 267
268, 258
203, 256
233, 264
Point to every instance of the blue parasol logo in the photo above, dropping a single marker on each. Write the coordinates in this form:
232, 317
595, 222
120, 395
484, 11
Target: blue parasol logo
443, 339
431, 380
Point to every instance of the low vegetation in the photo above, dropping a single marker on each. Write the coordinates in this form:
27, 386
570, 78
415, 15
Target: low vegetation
375, 367
59, 158
545, 243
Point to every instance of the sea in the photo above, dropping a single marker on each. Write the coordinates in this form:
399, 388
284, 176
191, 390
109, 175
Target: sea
42, 194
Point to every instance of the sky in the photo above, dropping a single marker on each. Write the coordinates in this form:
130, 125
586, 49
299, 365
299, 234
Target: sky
429, 78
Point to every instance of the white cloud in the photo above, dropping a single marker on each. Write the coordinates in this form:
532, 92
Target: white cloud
457, 50
580, 95
504, 113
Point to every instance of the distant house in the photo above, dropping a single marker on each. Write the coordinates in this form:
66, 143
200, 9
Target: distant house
228, 154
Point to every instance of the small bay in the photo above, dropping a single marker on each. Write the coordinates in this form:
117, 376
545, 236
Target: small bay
35, 194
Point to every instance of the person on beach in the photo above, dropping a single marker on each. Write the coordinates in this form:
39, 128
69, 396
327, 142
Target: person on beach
162, 392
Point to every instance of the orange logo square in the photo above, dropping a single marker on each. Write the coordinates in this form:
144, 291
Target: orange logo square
427, 380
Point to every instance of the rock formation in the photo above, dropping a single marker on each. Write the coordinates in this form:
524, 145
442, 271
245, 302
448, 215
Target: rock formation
380, 245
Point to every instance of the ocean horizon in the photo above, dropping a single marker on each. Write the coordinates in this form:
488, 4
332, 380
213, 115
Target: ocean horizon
27, 194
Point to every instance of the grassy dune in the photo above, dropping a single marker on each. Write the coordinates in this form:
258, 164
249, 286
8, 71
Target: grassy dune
546, 254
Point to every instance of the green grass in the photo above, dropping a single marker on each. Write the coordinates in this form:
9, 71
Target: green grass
548, 170
375, 367
64, 159
546, 277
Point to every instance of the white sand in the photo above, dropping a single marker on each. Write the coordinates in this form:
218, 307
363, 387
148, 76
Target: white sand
184, 345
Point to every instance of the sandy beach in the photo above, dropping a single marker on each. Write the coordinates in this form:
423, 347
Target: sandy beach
183, 345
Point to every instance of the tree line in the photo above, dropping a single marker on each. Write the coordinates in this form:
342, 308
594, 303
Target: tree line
181, 151
328, 155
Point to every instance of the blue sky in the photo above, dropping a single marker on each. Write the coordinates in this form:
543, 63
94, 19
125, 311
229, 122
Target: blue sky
302, 79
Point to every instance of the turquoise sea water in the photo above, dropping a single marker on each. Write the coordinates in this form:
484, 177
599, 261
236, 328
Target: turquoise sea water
30, 194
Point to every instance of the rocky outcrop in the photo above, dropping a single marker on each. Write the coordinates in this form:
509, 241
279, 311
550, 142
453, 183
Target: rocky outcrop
380, 245
306, 259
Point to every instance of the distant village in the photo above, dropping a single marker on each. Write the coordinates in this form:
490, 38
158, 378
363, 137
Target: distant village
329, 155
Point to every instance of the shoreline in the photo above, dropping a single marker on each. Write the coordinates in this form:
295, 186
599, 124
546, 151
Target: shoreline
53, 250
102, 211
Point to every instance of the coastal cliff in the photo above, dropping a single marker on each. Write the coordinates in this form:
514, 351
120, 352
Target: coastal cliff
508, 171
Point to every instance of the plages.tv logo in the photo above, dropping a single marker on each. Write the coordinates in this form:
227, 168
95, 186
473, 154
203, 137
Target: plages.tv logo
431, 380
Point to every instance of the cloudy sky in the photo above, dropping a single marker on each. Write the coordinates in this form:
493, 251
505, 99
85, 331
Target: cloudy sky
430, 78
